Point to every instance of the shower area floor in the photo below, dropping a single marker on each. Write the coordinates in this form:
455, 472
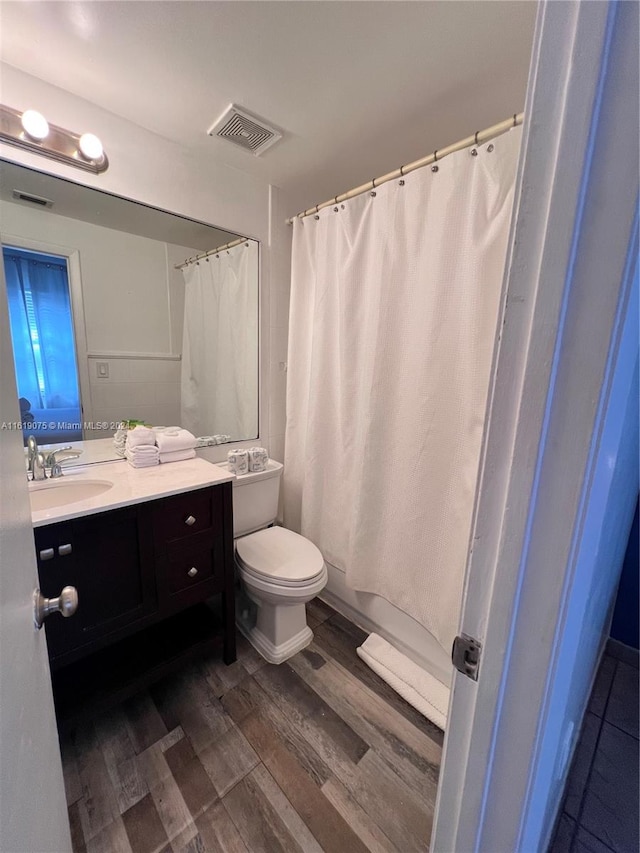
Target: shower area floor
317, 754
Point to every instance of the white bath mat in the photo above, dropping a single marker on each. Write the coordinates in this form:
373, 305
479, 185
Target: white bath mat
416, 685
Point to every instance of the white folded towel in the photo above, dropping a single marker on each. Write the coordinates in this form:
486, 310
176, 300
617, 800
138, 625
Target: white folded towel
177, 455
412, 682
120, 441
169, 441
143, 456
143, 451
140, 435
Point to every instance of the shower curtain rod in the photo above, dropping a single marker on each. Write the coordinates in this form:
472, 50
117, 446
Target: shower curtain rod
477, 138
210, 252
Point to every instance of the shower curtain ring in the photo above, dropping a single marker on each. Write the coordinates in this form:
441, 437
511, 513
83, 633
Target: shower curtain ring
515, 116
475, 138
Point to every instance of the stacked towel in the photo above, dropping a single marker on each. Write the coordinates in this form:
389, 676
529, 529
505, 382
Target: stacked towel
142, 456
258, 459
120, 441
177, 455
175, 444
140, 435
140, 448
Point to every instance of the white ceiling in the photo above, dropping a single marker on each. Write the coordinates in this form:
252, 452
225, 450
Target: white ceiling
358, 88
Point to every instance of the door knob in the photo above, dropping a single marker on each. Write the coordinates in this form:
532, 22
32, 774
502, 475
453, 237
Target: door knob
66, 603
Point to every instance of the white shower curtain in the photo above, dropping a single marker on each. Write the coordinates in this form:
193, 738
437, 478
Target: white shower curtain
393, 319
219, 381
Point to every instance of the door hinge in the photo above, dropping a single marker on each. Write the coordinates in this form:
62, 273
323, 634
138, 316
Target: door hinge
465, 655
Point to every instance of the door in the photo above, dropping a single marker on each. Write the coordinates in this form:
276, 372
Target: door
33, 813
559, 480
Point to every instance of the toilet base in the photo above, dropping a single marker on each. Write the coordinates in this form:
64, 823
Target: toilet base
269, 651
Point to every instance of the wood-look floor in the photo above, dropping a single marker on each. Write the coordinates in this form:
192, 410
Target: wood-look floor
317, 754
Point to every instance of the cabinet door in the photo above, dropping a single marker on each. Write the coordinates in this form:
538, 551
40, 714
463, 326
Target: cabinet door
111, 566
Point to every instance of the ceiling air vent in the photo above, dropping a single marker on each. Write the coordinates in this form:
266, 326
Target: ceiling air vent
248, 131
19, 195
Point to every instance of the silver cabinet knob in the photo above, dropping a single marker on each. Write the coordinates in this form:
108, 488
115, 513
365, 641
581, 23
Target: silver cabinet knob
47, 554
190, 520
63, 550
66, 603
192, 572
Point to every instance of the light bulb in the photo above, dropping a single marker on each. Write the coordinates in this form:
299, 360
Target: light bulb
35, 124
91, 147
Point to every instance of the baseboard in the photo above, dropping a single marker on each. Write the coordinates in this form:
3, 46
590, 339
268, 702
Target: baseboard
627, 654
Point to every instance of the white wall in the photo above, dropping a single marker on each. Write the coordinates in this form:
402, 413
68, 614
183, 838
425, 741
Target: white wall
280, 246
148, 168
132, 304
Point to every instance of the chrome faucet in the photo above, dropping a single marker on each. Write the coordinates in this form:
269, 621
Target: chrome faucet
52, 461
35, 460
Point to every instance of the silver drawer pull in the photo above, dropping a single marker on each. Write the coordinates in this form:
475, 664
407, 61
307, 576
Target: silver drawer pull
63, 550
47, 554
192, 572
190, 520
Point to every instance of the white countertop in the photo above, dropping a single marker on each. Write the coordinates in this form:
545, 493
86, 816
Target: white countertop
131, 486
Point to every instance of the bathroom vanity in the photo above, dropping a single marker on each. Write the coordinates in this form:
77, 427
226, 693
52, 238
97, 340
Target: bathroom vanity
151, 558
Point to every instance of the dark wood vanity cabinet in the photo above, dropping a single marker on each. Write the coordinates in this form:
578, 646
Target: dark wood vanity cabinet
146, 576
109, 560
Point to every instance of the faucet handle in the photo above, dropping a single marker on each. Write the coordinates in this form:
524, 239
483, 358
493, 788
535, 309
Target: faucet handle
66, 453
51, 457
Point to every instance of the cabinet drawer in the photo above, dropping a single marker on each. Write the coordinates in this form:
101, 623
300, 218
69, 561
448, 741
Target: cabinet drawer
182, 515
191, 567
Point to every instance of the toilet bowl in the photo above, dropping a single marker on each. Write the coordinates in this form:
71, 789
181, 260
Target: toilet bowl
278, 570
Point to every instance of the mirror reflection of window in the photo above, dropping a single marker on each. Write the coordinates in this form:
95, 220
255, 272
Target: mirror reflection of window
43, 344
127, 292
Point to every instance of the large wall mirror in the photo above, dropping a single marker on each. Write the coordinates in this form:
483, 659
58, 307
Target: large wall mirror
113, 320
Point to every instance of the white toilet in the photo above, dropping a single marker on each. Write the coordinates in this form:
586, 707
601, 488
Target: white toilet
279, 570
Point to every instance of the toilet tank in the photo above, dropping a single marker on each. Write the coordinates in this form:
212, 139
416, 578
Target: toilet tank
255, 498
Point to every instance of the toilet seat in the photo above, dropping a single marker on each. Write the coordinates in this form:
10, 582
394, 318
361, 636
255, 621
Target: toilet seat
279, 556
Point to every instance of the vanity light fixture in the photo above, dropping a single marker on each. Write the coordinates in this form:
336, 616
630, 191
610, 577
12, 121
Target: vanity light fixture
31, 131
35, 125
91, 147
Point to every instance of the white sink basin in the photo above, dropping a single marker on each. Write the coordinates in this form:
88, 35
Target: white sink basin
56, 493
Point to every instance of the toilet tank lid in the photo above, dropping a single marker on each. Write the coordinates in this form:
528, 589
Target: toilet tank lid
273, 469
280, 554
